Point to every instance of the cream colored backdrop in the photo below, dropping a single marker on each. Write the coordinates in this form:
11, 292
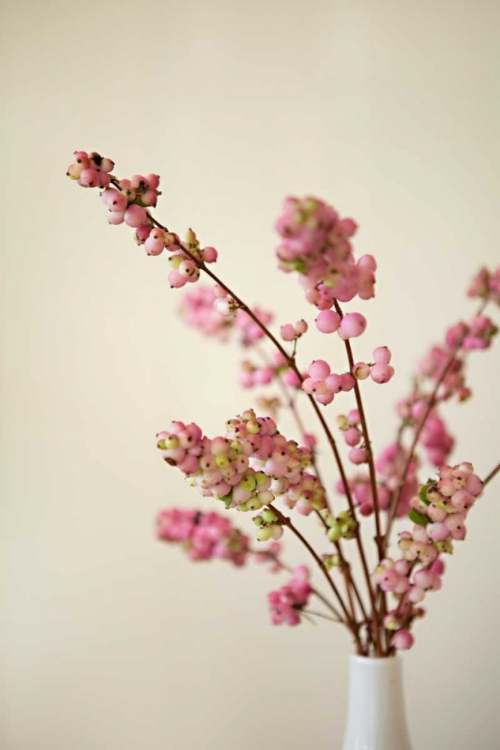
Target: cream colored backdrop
388, 109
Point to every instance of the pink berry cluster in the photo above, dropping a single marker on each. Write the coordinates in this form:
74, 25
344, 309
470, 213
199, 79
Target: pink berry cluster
390, 465
128, 201
291, 332
349, 326
199, 309
252, 375
287, 603
380, 370
486, 285
478, 334
316, 244
439, 513
269, 555
323, 384
204, 536
350, 427
251, 465
90, 170
247, 468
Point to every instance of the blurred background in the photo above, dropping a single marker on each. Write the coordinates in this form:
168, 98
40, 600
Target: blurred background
390, 110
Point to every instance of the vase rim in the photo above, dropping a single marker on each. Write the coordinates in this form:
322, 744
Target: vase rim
376, 661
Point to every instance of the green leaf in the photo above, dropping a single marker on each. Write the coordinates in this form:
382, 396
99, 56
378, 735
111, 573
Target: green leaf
226, 499
423, 494
417, 517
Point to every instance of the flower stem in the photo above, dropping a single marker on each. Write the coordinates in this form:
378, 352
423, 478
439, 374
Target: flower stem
491, 475
351, 624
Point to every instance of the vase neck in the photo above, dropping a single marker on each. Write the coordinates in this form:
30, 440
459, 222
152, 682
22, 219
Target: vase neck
376, 719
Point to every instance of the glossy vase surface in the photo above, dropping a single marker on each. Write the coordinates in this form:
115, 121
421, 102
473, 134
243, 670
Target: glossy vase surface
376, 714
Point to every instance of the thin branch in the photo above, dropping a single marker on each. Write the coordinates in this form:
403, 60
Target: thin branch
491, 475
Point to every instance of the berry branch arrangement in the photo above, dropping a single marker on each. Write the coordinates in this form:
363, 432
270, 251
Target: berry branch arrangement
251, 467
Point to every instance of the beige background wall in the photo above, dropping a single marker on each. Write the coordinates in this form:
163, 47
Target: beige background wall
388, 109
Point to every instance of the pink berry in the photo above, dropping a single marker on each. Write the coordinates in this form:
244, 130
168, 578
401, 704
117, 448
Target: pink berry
135, 216
75, 170
361, 370
104, 180
153, 181
382, 355
416, 595
328, 321
319, 369
381, 373
142, 233
225, 307
89, 178
154, 247
438, 567
116, 217
334, 383
324, 398
347, 382
114, 200
187, 268
301, 327
149, 198
352, 325
403, 640
209, 254
291, 378
264, 375
287, 332
424, 579
176, 280
352, 436
358, 455
308, 385
107, 165
439, 532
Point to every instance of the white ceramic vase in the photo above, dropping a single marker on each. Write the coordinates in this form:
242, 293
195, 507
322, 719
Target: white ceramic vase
376, 718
